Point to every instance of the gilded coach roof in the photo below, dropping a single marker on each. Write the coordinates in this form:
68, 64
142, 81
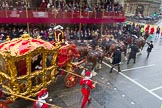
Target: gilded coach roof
23, 45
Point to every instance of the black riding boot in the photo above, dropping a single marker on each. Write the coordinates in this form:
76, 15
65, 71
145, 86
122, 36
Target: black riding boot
148, 55
111, 69
128, 61
119, 68
134, 60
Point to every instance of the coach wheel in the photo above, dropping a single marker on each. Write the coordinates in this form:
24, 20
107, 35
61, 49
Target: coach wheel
3, 105
70, 80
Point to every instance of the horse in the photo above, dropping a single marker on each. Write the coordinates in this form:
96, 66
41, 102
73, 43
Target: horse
146, 35
109, 46
140, 42
90, 54
95, 56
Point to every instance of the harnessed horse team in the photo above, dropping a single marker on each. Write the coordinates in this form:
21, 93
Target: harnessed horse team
93, 52
96, 50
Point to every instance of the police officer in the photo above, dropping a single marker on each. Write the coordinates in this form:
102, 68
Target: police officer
87, 85
133, 52
116, 59
150, 46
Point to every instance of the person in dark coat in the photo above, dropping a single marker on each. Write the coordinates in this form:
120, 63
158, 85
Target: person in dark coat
36, 64
149, 49
116, 59
157, 31
133, 52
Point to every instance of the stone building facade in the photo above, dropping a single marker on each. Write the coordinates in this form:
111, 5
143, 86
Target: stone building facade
144, 7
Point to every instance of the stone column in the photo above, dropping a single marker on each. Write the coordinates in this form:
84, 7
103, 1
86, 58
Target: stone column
134, 6
148, 10
120, 2
145, 9
127, 7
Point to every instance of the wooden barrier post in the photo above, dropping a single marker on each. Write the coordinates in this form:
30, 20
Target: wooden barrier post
102, 23
80, 25
27, 16
6, 13
55, 12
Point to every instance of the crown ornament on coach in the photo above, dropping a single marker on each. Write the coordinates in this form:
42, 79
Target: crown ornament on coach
59, 34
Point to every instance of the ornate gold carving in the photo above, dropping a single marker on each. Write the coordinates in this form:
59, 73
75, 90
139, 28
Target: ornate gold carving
22, 85
8, 38
18, 84
38, 37
59, 34
25, 36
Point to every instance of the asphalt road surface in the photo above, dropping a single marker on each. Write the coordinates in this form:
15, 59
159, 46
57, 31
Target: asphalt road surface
139, 85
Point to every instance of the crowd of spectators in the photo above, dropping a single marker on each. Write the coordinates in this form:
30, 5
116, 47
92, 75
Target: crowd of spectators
88, 31
71, 31
61, 5
131, 28
14, 4
46, 32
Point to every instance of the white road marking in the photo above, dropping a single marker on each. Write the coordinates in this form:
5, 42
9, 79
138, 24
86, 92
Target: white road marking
156, 52
135, 82
109, 65
140, 67
157, 88
140, 85
132, 103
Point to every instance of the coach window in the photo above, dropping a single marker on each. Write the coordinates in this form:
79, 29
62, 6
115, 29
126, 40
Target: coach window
36, 62
21, 67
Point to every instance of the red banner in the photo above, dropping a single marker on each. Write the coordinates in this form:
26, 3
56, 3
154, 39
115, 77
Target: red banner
19, 16
40, 14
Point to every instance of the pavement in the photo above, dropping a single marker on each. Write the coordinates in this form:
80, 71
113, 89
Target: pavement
139, 85
159, 23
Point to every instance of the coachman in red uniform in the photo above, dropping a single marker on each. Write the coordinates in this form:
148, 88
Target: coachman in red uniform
87, 85
42, 95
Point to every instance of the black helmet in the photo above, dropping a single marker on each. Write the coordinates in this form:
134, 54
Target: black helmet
118, 47
134, 42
